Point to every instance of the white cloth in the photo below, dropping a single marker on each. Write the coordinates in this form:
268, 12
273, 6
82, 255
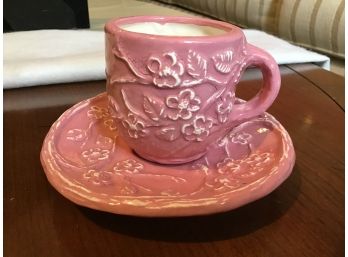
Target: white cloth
284, 52
52, 56
44, 57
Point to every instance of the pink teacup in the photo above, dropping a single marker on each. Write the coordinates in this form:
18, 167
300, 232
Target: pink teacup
171, 83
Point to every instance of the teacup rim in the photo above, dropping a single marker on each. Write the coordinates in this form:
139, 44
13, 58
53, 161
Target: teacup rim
231, 31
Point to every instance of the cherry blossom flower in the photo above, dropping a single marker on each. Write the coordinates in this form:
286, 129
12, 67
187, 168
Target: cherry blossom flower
182, 105
97, 112
128, 166
98, 177
223, 182
258, 159
228, 166
241, 138
166, 70
198, 130
135, 127
77, 135
95, 154
110, 124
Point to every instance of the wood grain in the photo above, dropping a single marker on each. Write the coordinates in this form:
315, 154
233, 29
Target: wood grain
330, 83
303, 217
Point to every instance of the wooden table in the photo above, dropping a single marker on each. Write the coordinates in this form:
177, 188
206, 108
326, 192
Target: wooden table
303, 217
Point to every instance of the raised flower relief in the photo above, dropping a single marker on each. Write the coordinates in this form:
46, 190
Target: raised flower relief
233, 174
182, 105
128, 190
198, 130
97, 112
223, 182
167, 70
76, 135
128, 166
228, 166
259, 159
110, 124
240, 138
98, 177
135, 127
93, 155
201, 168
104, 142
253, 165
224, 108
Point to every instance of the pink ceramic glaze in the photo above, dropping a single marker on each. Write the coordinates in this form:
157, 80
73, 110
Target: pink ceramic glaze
173, 96
88, 162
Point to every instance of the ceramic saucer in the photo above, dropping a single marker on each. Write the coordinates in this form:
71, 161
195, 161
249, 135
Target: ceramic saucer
87, 162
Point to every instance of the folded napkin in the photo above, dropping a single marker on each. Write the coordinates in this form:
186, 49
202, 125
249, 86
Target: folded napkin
52, 56
44, 57
284, 52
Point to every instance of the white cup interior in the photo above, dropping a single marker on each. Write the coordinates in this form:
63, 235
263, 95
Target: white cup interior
172, 29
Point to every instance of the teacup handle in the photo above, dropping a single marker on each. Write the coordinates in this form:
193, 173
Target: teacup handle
270, 87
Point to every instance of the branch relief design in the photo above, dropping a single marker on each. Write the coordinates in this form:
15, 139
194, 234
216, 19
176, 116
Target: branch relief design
166, 70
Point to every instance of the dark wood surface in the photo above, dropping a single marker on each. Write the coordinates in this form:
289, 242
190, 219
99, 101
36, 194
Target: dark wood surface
303, 217
330, 83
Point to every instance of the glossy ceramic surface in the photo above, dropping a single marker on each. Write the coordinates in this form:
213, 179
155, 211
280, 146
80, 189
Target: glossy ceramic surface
88, 162
173, 96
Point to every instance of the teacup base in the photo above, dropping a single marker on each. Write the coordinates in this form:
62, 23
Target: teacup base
170, 161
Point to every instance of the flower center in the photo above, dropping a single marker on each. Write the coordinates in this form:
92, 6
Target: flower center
166, 71
183, 104
199, 130
95, 154
133, 126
